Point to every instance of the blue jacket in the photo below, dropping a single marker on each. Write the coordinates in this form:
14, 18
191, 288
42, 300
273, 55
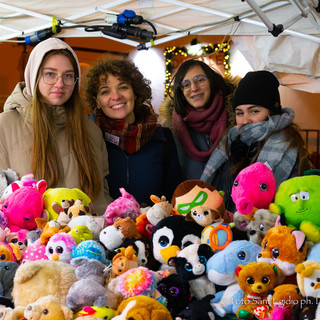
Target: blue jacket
152, 170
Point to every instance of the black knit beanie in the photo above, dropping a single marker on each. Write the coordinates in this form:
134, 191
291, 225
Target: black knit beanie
258, 88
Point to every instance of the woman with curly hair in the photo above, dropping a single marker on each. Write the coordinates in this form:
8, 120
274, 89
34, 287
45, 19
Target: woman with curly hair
142, 155
43, 129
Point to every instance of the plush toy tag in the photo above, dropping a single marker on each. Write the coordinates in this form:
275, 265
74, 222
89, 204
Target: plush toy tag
260, 312
111, 138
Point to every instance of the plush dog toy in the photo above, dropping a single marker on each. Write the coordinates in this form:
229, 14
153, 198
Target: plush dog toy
298, 199
35, 279
142, 308
256, 228
56, 195
124, 260
48, 308
253, 188
122, 207
255, 280
113, 236
286, 247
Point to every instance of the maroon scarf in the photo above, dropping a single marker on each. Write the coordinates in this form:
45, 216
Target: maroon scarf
212, 121
135, 136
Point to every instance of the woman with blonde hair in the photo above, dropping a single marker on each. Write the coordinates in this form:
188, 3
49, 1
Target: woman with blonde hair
43, 129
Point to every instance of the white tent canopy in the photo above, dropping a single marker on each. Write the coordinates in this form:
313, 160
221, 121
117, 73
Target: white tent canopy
285, 35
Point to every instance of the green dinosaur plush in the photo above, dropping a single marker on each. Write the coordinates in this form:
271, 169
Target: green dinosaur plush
299, 199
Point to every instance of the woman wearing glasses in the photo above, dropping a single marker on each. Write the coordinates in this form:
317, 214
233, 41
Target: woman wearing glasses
142, 155
201, 112
43, 128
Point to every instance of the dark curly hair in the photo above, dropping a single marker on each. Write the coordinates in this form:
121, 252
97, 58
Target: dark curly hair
127, 71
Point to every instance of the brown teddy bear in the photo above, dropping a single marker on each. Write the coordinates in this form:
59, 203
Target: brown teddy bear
48, 308
255, 280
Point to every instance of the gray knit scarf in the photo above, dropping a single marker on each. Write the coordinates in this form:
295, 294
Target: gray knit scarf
275, 151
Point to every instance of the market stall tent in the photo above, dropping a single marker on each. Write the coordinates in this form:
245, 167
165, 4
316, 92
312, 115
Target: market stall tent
282, 36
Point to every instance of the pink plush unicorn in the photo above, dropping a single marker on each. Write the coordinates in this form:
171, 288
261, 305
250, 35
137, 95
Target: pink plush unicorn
253, 188
122, 207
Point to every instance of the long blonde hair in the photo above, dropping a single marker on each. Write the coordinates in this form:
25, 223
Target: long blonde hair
45, 164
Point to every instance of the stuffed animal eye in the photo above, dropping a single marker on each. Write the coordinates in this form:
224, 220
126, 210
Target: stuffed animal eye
294, 197
6, 268
304, 195
194, 213
250, 280
1, 314
202, 259
206, 212
241, 255
3, 257
173, 291
188, 266
50, 250
236, 183
45, 311
59, 250
263, 187
275, 253
118, 227
261, 226
70, 215
162, 288
265, 280
163, 241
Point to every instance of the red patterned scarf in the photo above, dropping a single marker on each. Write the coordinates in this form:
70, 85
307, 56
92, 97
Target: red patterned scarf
135, 136
212, 121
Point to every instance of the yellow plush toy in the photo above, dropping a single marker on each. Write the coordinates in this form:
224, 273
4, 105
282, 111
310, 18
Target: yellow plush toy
255, 280
56, 195
48, 308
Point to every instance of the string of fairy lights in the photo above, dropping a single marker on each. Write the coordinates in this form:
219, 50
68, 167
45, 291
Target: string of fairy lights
171, 52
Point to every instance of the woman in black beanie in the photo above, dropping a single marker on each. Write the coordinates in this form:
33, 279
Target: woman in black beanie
265, 133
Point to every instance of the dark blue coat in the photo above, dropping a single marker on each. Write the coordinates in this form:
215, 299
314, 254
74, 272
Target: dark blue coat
152, 170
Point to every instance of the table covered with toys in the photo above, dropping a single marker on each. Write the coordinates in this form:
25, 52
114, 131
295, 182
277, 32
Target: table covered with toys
181, 258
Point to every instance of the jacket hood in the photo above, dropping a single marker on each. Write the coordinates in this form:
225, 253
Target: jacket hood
19, 99
36, 57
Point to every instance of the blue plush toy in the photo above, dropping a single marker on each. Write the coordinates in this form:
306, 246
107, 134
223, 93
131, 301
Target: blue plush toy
89, 249
221, 270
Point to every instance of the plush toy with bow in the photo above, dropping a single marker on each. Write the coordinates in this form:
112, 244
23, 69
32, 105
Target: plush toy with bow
253, 188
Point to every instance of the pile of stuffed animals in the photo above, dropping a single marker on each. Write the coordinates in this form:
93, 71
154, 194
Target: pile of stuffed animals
184, 259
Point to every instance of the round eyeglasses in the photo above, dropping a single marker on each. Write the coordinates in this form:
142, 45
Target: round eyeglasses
185, 85
68, 79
